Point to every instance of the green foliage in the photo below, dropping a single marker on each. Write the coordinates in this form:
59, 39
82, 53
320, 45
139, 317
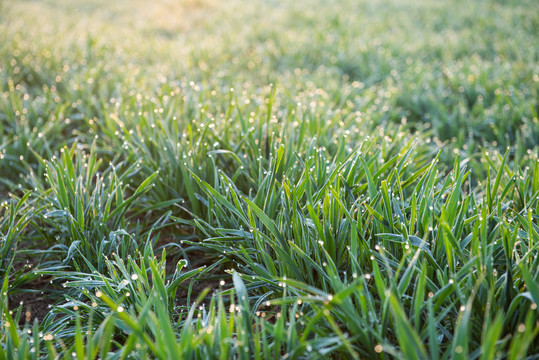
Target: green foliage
15, 215
344, 179
84, 210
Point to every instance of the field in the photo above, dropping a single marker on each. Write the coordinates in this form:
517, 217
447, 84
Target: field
202, 179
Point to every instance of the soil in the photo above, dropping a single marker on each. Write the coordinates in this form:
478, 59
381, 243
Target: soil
34, 306
196, 258
35, 303
198, 287
33, 299
32, 296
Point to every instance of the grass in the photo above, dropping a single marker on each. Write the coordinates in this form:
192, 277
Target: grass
269, 180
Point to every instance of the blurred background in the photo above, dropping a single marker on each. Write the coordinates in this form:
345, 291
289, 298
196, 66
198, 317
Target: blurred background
467, 72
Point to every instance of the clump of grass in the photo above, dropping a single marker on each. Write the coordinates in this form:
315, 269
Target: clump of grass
393, 228
15, 215
84, 212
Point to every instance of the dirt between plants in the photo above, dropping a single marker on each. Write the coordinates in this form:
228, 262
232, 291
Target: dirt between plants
198, 287
33, 299
34, 306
